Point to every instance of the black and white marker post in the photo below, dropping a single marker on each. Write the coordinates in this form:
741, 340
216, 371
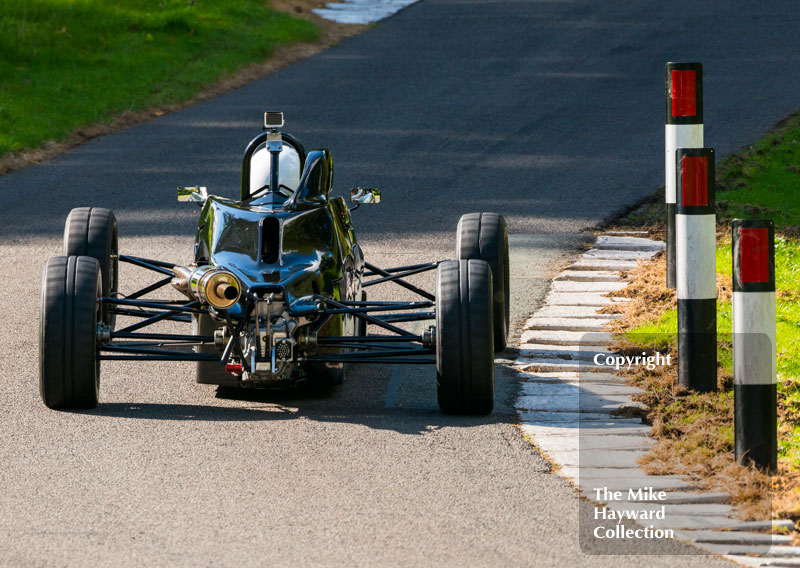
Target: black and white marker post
754, 348
695, 248
684, 129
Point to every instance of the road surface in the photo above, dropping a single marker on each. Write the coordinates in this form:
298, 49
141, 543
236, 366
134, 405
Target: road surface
549, 112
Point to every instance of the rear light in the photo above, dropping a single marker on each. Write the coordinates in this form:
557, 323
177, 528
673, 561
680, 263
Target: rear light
233, 368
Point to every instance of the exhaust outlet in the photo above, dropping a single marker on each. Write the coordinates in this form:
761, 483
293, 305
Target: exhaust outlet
208, 284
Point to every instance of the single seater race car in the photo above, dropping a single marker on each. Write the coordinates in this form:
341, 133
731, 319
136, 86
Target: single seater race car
276, 293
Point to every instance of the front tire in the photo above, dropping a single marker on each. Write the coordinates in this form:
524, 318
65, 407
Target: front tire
69, 370
92, 231
484, 236
464, 337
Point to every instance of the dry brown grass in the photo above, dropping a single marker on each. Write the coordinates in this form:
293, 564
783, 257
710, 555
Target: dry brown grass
694, 432
694, 438
648, 293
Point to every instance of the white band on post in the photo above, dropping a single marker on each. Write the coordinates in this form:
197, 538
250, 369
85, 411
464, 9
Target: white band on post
678, 136
695, 254
755, 359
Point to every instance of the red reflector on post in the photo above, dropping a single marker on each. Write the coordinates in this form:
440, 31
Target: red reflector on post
694, 176
234, 368
754, 259
684, 92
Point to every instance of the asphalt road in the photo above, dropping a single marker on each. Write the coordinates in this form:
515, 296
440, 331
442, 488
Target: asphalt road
549, 112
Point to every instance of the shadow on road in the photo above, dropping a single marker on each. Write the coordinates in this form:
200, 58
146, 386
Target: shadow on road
152, 411
321, 405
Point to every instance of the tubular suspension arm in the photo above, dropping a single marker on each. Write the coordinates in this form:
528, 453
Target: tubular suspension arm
162, 316
367, 355
401, 282
420, 316
391, 305
160, 357
372, 320
383, 348
162, 336
429, 265
147, 351
389, 360
363, 310
369, 339
187, 306
398, 277
154, 265
148, 289
147, 314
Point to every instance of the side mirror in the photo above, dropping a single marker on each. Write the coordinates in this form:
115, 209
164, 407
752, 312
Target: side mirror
361, 195
194, 194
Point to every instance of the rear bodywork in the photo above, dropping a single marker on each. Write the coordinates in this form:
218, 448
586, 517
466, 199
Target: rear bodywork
284, 258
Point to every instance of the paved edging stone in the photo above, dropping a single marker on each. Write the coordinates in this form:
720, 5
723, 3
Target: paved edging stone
583, 420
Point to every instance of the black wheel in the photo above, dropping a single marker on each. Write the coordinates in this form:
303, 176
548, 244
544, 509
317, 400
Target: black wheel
69, 370
464, 338
92, 231
484, 236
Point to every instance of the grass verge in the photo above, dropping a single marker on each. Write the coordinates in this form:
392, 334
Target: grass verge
73, 69
694, 432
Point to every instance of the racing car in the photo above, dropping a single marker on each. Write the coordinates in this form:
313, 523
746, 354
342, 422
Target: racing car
277, 292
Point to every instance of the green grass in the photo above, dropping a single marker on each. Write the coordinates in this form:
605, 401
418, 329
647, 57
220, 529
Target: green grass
662, 331
69, 63
763, 181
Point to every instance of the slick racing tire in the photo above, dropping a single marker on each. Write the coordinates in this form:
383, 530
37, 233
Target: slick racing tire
484, 236
69, 369
92, 231
464, 338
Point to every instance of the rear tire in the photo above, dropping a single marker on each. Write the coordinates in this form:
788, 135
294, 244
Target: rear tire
484, 236
69, 370
464, 337
92, 231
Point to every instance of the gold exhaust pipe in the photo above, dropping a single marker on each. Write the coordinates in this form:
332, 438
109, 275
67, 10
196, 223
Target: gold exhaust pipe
210, 285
